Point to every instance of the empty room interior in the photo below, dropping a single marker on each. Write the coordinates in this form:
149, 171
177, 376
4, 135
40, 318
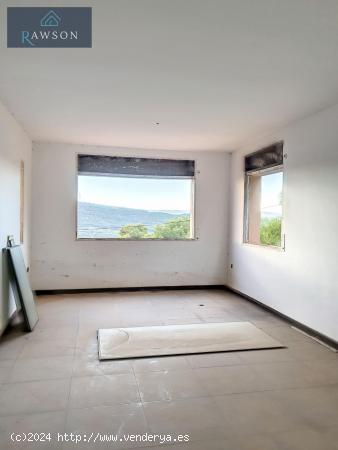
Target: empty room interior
169, 224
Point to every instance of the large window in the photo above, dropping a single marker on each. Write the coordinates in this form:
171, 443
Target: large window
264, 197
135, 198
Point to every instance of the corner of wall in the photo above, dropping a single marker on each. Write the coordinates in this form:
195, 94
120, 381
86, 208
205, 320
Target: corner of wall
15, 146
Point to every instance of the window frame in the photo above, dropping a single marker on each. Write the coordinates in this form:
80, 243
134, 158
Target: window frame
192, 200
246, 227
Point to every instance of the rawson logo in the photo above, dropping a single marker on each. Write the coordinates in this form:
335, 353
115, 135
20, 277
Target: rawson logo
51, 19
44, 27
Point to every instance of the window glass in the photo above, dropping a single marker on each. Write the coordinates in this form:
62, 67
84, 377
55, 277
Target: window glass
264, 213
271, 209
129, 207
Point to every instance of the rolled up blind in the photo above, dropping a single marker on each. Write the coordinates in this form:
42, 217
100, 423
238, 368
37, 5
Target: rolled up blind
127, 166
266, 158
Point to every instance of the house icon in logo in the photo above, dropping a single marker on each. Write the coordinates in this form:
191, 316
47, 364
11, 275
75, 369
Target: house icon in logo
51, 19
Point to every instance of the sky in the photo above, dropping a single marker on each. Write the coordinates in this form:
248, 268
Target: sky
138, 193
271, 189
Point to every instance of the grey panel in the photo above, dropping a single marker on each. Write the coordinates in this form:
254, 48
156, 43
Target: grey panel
115, 165
4, 291
117, 343
21, 288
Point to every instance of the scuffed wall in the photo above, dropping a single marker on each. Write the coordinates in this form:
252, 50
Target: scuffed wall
61, 262
302, 281
15, 146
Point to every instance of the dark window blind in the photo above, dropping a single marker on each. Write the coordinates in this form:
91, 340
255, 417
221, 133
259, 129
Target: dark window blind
265, 158
127, 166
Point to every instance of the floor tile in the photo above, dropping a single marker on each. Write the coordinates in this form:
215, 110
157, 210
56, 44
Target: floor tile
290, 374
48, 319
325, 371
159, 364
210, 444
229, 379
318, 406
31, 369
308, 438
181, 321
6, 366
119, 420
286, 334
266, 356
103, 390
43, 424
257, 413
257, 442
87, 346
11, 346
47, 348
275, 399
200, 418
270, 321
64, 333
33, 397
169, 385
85, 365
214, 359
139, 321
217, 315
311, 351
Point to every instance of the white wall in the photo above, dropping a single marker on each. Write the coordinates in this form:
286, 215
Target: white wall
15, 146
301, 282
61, 262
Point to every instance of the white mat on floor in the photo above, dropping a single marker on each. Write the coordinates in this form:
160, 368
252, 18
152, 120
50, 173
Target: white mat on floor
117, 343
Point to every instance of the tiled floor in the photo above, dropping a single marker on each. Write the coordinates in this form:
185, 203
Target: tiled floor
52, 382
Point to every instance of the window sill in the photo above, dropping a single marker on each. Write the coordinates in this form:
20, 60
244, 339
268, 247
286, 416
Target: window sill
271, 247
137, 240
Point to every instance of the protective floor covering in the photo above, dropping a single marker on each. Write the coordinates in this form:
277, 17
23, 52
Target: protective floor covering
118, 343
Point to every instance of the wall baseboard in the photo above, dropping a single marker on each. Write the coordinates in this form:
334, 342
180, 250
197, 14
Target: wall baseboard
310, 331
127, 289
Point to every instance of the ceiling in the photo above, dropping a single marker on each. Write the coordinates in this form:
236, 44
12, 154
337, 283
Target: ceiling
212, 73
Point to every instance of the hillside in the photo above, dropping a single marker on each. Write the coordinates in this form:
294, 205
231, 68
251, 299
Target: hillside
101, 221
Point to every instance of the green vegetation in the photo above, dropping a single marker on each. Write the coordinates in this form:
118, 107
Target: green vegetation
270, 231
177, 228
133, 232
103, 221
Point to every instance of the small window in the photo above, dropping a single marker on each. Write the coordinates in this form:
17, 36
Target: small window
264, 197
135, 198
